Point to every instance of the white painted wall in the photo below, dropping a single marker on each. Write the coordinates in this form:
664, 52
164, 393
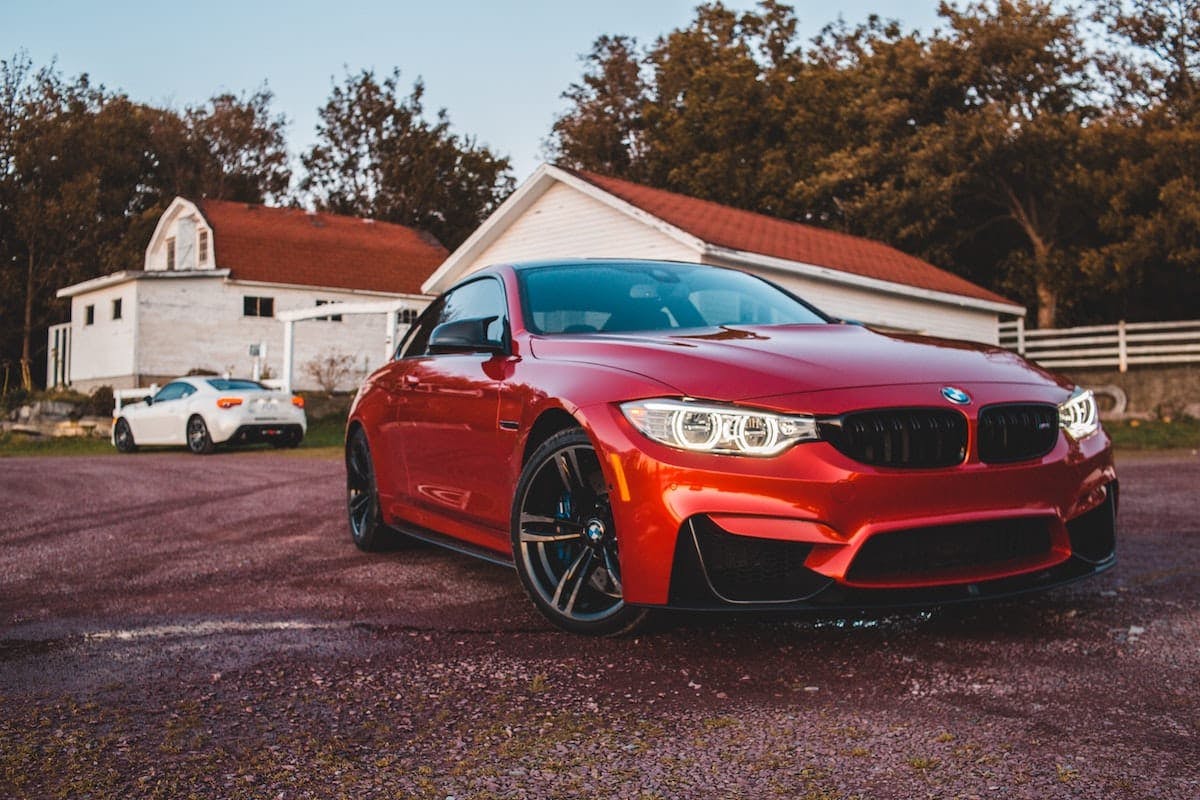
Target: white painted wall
565, 223
200, 324
884, 309
175, 325
103, 351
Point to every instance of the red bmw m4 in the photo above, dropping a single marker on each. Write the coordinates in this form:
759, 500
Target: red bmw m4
632, 435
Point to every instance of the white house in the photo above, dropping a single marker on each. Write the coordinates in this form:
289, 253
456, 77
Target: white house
563, 213
217, 273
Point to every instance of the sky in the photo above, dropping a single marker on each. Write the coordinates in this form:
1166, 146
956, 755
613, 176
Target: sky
498, 68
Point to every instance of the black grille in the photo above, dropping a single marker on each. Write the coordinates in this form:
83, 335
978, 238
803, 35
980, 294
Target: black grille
1017, 432
900, 437
923, 551
747, 569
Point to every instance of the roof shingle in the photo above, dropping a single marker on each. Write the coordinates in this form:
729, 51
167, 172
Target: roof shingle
289, 245
749, 232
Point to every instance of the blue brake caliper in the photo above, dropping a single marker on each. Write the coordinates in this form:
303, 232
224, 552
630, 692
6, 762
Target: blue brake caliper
565, 510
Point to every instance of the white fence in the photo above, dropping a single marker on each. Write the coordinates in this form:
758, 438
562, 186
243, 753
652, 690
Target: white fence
1120, 345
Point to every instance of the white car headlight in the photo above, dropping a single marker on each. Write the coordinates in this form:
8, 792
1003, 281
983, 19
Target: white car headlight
715, 428
1078, 414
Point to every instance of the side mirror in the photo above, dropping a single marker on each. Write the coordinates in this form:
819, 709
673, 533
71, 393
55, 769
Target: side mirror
465, 336
149, 400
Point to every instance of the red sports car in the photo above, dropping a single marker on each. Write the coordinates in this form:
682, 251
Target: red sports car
636, 434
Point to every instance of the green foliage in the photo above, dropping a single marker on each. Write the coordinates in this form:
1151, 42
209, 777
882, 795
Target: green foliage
85, 173
1005, 146
379, 156
1175, 434
603, 131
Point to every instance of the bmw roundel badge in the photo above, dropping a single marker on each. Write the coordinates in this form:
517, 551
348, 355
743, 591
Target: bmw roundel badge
956, 395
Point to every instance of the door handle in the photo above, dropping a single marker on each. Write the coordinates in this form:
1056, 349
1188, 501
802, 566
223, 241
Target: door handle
412, 381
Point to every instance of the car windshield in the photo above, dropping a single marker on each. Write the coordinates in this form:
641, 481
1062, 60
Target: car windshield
606, 298
235, 385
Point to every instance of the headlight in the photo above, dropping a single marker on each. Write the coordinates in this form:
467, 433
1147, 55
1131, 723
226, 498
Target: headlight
712, 428
1078, 415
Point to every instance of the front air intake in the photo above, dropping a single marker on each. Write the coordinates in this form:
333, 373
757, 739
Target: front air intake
930, 552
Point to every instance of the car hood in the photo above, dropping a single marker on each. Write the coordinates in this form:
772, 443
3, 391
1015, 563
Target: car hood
743, 363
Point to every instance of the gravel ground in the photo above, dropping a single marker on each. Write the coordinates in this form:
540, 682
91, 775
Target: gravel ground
173, 626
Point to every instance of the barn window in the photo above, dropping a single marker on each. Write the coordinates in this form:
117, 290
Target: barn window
89, 315
331, 317
116, 311
171, 253
202, 247
258, 306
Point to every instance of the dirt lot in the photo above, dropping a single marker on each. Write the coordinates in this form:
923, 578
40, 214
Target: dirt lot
173, 626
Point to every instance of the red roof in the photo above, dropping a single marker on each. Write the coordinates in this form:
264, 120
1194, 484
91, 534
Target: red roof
289, 245
749, 232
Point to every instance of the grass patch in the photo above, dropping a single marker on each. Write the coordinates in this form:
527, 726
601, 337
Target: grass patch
1178, 434
19, 444
324, 439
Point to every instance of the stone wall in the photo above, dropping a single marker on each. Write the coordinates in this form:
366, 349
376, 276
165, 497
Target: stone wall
1153, 391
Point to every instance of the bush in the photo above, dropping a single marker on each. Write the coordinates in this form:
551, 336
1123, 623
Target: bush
101, 403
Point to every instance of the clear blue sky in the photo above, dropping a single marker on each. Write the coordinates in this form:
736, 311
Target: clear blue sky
498, 68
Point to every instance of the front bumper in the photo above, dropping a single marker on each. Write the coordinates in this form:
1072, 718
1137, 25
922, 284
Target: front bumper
809, 514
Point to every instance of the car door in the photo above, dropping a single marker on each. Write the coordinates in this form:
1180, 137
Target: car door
446, 410
165, 420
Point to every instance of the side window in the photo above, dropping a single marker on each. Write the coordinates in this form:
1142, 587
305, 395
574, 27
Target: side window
258, 306
173, 391
481, 298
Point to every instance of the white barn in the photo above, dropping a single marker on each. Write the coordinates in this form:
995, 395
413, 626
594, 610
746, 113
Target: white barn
560, 213
215, 276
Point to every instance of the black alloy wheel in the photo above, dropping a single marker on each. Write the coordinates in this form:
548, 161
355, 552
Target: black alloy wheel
362, 494
565, 542
123, 437
198, 440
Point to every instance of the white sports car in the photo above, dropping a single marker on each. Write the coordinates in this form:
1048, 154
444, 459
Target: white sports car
203, 412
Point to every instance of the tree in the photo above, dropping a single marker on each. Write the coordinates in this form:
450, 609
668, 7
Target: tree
602, 129
241, 146
1164, 63
76, 160
1151, 216
967, 140
86, 172
378, 156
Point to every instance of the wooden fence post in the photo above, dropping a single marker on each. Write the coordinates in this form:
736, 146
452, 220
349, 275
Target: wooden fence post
1122, 353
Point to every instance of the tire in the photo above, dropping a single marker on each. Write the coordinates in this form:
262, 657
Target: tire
564, 540
362, 495
123, 437
198, 440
